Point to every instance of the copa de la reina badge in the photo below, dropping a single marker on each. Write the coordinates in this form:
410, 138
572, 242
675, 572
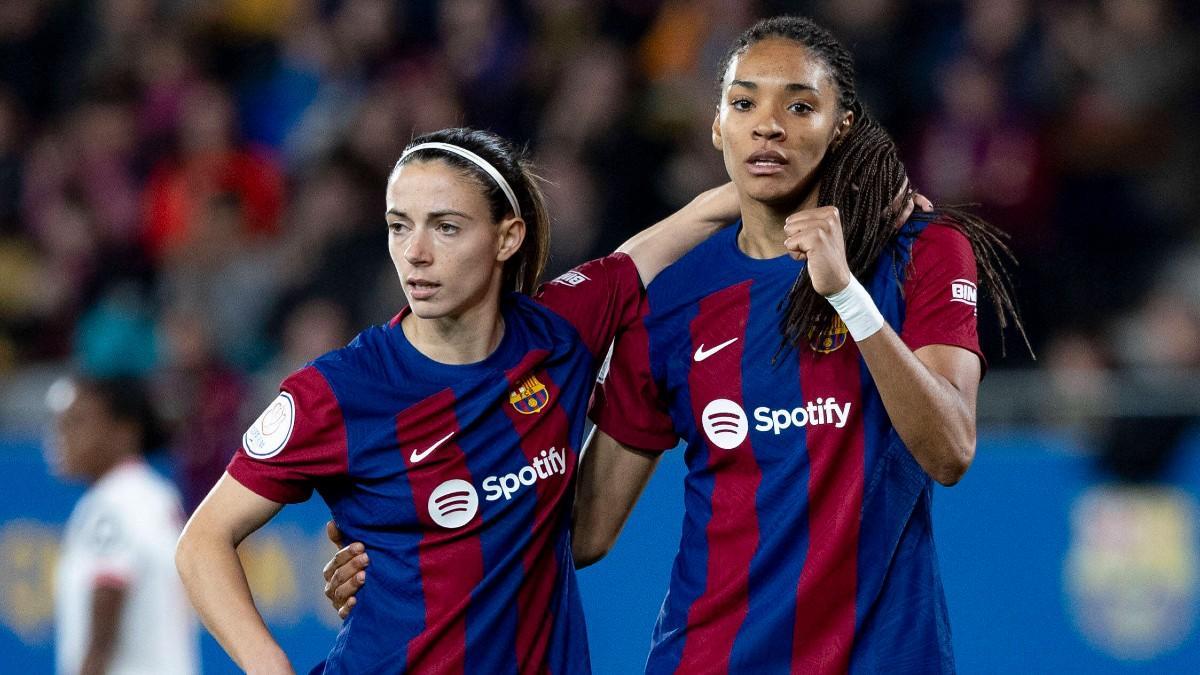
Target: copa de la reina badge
271, 431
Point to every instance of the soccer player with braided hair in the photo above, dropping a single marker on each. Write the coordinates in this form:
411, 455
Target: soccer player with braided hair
819, 394
821, 362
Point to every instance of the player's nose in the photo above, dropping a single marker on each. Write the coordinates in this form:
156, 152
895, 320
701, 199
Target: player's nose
419, 251
767, 126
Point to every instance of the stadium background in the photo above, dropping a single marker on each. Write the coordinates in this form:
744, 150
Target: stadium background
191, 192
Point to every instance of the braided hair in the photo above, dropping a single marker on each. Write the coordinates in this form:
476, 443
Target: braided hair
861, 175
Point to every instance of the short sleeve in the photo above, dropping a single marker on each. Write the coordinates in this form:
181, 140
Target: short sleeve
598, 298
109, 538
296, 442
628, 403
941, 291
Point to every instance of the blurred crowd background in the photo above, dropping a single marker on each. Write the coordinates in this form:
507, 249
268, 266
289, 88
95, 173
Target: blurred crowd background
191, 191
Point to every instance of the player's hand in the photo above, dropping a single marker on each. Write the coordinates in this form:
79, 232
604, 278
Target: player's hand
906, 201
815, 235
345, 573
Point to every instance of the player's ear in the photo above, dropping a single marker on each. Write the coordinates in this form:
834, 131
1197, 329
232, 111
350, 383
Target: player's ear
716, 130
509, 238
843, 127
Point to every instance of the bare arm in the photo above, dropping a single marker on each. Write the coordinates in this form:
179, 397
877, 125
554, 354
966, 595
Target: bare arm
930, 395
107, 602
610, 480
212, 573
661, 244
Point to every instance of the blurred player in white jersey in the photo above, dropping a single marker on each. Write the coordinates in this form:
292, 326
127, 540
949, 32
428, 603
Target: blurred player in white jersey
119, 605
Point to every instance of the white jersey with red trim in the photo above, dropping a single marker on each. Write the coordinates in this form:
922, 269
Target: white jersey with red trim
123, 532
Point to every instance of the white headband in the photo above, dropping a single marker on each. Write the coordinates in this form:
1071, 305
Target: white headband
478, 161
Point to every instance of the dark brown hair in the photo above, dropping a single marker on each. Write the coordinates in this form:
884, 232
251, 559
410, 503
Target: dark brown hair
861, 175
523, 271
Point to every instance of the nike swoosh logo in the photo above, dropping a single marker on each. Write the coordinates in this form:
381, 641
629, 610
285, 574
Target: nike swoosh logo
702, 353
418, 456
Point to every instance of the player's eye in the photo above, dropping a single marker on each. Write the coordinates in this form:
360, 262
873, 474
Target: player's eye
740, 104
397, 227
800, 107
447, 228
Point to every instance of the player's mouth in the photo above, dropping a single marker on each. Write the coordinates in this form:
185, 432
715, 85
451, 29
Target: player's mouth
421, 289
766, 163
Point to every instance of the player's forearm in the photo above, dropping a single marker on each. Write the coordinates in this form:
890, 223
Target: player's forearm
107, 602
666, 241
214, 579
933, 418
216, 583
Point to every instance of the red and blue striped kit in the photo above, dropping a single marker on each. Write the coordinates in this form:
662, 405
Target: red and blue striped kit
807, 544
457, 478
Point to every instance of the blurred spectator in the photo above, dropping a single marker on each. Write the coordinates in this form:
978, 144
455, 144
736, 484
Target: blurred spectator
202, 399
222, 155
210, 162
119, 605
310, 329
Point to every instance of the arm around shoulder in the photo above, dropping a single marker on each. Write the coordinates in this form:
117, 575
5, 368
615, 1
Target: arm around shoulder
661, 244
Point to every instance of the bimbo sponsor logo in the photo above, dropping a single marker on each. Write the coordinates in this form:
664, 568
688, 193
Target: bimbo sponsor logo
964, 291
571, 278
453, 503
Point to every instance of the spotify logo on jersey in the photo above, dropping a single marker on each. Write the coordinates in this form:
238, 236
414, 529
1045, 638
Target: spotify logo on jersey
453, 504
724, 423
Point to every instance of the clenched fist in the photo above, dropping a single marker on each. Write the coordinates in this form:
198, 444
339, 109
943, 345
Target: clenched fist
815, 235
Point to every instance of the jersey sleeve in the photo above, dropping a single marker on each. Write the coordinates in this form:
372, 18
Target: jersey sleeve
299, 440
598, 298
628, 403
111, 541
941, 291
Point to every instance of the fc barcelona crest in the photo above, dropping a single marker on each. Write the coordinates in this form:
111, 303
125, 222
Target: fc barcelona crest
830, 340
530, 396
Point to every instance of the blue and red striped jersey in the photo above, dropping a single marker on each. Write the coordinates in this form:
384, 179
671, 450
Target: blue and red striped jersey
806, 543
457, 478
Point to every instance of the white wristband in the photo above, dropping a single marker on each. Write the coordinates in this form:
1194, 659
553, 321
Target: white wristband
858, 311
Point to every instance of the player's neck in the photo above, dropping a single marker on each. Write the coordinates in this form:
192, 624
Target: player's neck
762, 226
467, 338
120, 459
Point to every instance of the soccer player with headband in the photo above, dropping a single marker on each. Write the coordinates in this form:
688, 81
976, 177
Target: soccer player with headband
446, 440
820, 360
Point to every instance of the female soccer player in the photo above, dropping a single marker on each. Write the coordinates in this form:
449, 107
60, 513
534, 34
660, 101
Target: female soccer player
819, 394
446, 440
119, 606
807, 544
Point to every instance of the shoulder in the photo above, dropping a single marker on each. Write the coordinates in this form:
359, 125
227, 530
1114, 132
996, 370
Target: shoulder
371, 355
543, 320
718, 248
710, 266
931, 243
135, 490
593, 282
934, 233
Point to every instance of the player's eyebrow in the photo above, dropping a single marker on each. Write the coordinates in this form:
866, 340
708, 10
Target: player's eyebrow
432, 214
791, 86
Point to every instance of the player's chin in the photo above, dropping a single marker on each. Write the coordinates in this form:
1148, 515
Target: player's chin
428, 308
773, 190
